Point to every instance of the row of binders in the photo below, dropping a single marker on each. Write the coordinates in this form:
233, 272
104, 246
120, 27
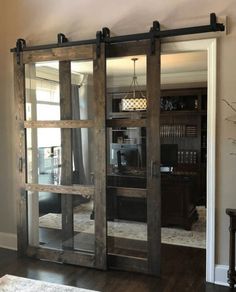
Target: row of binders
178, 131
187, 157
172, 131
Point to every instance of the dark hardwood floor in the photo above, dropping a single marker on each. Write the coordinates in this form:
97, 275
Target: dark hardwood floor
183, 269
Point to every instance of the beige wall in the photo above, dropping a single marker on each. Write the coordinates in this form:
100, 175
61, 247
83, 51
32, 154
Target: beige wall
40, 21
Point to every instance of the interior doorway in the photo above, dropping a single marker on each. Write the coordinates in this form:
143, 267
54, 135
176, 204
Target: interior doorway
183, 144
73, 183
209, 46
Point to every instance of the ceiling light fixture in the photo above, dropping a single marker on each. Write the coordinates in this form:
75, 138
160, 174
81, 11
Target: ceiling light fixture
133, 101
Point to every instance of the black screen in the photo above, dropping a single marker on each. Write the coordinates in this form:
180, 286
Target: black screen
169, 154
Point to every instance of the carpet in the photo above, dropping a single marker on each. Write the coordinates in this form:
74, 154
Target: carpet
133, 230
9, 283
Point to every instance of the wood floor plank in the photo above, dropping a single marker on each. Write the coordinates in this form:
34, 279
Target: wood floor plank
183, 270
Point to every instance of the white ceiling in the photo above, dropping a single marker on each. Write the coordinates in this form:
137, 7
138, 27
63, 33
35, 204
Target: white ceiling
80, 19
171, 63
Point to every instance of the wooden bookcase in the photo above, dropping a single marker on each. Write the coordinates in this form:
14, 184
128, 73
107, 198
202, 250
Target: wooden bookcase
186, 126
183, 121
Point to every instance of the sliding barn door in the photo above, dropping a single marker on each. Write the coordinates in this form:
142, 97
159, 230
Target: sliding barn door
133, 157
88, 162
61, 158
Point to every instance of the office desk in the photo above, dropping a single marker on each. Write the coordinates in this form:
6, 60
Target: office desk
177, 195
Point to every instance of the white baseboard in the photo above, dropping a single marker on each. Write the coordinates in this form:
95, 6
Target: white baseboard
221, 275
8, 240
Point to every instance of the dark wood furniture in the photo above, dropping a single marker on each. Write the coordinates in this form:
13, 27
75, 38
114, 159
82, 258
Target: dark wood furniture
178, 200
186, 126
178, 207
183, 121
232, 230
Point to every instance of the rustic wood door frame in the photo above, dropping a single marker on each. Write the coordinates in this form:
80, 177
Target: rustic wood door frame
98, 191
152, 264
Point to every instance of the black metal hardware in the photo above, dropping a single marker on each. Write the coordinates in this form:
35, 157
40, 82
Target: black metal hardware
20, 45
105, 35
102, 36
213, 22
155, 29
61, 38
231, 274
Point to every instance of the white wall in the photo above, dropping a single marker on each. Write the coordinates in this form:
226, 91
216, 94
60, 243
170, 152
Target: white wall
40, 21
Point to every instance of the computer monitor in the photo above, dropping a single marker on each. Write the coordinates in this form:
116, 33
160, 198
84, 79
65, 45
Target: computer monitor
124, 154
169, 155
128, 155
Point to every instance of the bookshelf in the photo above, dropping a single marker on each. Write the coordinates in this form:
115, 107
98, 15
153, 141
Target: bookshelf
183, 121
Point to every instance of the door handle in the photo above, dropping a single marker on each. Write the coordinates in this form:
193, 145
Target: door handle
154, 169
20, 164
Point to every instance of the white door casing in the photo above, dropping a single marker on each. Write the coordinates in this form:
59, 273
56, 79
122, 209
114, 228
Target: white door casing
208, 45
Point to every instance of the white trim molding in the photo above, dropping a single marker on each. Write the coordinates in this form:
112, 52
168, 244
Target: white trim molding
208, 45
8, 240
221, 275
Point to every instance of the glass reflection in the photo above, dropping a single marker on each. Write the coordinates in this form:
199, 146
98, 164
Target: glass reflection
126, 87
43, 91
44, 156
45, 212
126, 158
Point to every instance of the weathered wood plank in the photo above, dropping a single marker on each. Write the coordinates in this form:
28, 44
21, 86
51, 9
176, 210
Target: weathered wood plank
127, 49
81, 52
133, 246
66, 153
82, 190
70, 124
127, 263
126, 123
127, 192
21, 195
125, 115
153, 162
99, 74
33, 198
61, 256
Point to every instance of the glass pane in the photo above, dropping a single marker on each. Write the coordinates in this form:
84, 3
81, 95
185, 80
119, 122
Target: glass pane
43, 91
126, 157
126, 87
45, 222
127, 216
44, 156
84, 223
127, 225
82, 90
